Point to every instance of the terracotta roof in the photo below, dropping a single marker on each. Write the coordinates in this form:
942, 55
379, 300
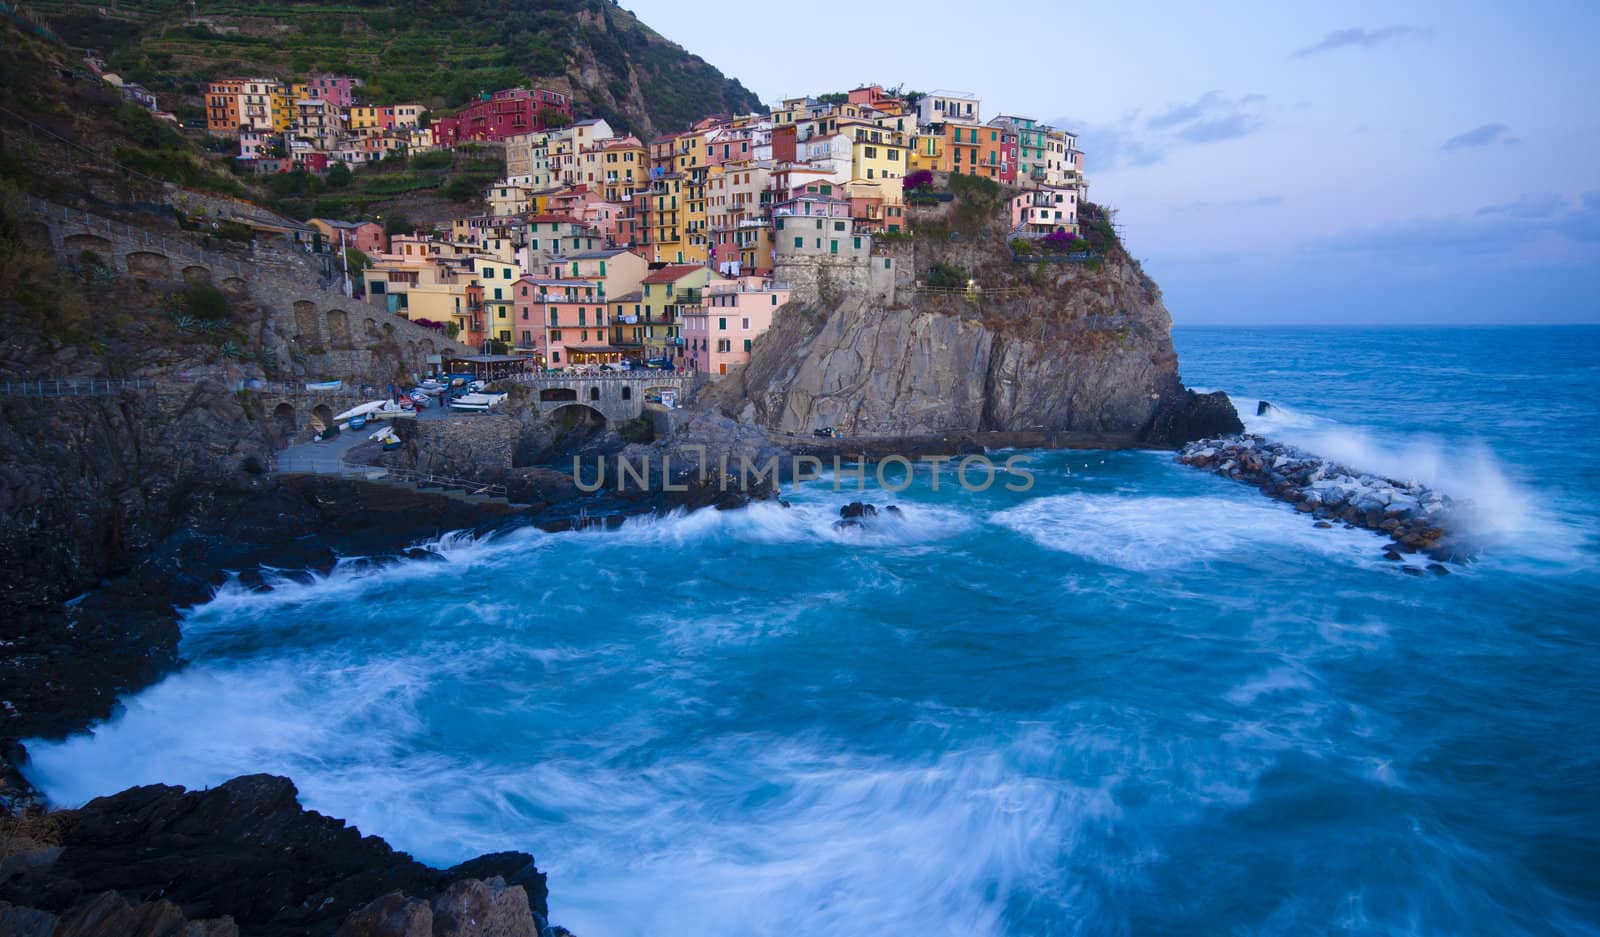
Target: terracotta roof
562, 219
672, 273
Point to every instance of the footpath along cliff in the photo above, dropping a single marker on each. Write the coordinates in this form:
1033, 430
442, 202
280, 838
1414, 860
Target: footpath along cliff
953, 332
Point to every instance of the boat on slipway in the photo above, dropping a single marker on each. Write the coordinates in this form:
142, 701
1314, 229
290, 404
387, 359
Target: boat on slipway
479, 402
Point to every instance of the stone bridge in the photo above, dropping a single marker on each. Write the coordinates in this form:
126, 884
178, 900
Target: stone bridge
300, 292
617, 397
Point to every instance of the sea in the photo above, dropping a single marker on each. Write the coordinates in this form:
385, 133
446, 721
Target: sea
1135, 698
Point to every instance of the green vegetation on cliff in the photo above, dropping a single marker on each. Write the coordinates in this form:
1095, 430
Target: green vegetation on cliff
438, 52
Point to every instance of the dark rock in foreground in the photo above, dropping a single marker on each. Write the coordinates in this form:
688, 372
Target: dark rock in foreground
248, 852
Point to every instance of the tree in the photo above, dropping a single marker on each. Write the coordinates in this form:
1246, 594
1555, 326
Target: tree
357, 260
947, 276
551, 118
397, 224
338, 176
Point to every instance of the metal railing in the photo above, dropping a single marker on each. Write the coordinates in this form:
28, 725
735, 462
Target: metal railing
648, 377
75, 387
430, 480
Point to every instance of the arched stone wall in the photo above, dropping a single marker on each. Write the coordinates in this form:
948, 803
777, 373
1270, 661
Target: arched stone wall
321, 416
574, 414
283, 415
339, 329
75, 244
195, 273
557, 394
235, 287
306, 326
149, 264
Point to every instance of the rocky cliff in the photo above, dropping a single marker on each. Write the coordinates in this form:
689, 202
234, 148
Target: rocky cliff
1079, 353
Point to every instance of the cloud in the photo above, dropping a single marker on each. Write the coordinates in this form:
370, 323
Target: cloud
1231, 127
1361, 38
1491, 229
1212, 117
1260, 201
1528, 205
1478, 136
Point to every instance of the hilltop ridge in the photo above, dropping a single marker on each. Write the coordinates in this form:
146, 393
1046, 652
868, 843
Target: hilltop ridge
440, 53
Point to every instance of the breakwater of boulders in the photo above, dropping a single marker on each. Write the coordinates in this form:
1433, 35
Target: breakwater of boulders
1417, 519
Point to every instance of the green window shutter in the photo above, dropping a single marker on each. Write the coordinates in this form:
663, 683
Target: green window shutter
833, 247
799, 242
858, 243
747, 344
722, 324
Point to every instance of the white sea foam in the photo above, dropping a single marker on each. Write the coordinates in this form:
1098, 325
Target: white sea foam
1160, 532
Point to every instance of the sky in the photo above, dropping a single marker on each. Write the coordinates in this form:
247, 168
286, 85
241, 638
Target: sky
1362, 163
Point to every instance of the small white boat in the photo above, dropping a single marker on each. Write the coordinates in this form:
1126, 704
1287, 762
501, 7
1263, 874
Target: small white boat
360, 410
476, 401
389, 410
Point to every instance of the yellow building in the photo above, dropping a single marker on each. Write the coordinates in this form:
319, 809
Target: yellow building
927, 152
283, 111
666, 291
497, 277
623, 168
664, 219
876, 154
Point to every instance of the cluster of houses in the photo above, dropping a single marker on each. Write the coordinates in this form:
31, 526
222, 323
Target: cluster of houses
314, 124
600, 248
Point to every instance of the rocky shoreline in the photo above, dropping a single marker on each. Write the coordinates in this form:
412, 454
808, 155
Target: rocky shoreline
1418, 519
160, 860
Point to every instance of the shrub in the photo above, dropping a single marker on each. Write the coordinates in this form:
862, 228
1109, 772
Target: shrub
1061, 242
206, 302
638, 429
921, 179
338, 176
432, 160
1021, 246
947, 276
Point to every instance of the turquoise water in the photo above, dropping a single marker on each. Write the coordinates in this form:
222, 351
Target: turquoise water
1137, 699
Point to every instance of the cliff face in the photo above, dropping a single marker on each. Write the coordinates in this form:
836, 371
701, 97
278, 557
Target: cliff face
1085, 351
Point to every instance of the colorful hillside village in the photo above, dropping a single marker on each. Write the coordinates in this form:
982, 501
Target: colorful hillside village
599, 249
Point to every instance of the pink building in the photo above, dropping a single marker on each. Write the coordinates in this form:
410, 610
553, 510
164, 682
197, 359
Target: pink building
718, 332
562, 322
367, 237
500, 115
336, 90
1045, 210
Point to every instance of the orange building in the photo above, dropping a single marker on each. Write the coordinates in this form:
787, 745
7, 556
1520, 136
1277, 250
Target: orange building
222, 106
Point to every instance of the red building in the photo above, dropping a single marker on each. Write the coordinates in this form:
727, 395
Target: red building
1008, 157
500, 115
